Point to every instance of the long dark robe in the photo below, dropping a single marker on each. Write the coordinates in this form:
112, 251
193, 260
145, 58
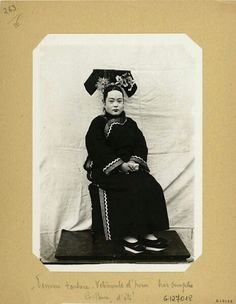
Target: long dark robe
131, 204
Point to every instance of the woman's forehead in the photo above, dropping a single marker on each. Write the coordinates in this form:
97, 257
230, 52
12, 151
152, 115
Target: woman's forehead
114, 94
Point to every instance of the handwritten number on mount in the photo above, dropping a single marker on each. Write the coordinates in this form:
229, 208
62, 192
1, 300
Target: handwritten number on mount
16, 18
9, 9
178, 298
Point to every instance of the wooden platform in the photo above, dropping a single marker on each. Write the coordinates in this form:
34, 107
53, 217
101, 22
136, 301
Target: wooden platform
82, 247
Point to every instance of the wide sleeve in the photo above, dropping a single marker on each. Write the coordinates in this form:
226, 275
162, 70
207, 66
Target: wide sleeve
99, 151
140, 150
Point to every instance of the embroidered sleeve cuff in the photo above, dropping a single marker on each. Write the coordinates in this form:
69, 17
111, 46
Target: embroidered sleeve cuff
140, 161
112, 165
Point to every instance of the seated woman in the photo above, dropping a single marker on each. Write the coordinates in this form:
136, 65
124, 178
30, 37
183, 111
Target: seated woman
132, 201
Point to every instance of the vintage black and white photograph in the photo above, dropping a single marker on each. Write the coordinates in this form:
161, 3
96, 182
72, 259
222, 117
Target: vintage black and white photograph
117, 139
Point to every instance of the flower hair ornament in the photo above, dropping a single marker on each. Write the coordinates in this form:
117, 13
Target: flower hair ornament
100, 79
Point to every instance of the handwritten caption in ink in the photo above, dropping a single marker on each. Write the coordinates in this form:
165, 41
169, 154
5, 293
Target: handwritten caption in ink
176, 297
12, 15
122, 291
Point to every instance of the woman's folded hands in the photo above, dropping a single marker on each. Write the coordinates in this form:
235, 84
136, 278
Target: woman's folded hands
129, 166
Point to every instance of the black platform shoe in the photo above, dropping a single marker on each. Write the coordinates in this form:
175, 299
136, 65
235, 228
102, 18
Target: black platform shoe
154, 245
135, 248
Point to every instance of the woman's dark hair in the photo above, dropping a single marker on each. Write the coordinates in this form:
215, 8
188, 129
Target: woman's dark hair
110, 88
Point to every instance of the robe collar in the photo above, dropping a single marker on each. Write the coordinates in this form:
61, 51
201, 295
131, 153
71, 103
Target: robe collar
113, 120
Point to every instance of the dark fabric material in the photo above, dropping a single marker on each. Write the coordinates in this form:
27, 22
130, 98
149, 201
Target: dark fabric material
97, 223
121, 77
110, 139
134, 202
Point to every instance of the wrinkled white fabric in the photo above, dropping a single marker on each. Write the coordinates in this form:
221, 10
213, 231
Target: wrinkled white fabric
163, 108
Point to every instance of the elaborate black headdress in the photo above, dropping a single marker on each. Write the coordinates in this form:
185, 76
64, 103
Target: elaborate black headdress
99, 79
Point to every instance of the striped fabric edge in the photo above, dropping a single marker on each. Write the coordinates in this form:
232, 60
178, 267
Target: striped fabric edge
111, 126
104, 212
112, 165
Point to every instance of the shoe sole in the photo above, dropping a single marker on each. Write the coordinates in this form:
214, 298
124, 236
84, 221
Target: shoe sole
155, 249
132, 250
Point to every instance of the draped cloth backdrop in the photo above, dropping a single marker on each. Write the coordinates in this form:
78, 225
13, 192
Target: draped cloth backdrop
165, 107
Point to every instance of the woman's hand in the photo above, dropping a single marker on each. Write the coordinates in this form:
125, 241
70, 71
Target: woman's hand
130, 166
133, 165
125, 168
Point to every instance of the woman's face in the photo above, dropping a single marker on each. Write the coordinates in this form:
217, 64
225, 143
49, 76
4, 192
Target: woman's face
114, 103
